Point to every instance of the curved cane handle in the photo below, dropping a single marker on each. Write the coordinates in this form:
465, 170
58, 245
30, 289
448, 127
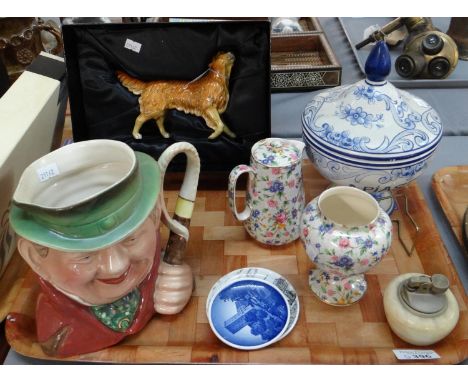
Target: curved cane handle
54, 32
233, 176
188, 191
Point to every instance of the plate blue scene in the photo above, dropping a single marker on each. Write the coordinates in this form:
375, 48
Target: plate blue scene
249, 314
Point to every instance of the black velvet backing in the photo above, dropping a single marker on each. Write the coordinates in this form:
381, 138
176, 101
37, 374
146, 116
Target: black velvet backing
102, 108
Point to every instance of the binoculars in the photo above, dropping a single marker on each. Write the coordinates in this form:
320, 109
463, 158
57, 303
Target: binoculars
427, 52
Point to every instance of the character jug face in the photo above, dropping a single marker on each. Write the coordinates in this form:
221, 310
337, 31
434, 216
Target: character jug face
88, 218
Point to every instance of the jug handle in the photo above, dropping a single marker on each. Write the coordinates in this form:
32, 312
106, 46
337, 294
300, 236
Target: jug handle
178, 225
233, 176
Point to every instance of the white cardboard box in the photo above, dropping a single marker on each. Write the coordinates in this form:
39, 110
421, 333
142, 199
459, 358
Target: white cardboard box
30, 111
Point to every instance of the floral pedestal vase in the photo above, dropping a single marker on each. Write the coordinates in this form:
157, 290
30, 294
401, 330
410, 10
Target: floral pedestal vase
345, 234
334, 289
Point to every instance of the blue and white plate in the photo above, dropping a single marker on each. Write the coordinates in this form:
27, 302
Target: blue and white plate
269, 276
248, 313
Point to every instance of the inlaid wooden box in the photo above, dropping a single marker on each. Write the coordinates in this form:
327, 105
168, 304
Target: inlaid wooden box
303, 61
308, 24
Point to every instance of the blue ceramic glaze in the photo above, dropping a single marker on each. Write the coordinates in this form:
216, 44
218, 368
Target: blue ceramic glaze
249, 314
378, 63
370, 134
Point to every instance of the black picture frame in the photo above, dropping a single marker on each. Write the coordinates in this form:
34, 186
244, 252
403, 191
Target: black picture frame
102, 108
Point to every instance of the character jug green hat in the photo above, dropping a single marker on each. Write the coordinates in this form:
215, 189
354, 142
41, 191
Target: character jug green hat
89, 195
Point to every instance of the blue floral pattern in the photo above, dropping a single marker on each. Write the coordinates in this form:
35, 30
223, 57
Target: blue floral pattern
366, 92
418, 129
358, 116
277, 186
372, 180
268, 159
344, 262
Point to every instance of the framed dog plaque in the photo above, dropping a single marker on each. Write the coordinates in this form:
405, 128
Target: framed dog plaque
152, 84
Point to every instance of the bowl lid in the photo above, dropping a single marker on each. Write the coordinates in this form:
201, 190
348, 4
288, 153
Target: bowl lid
372, 117
248, 313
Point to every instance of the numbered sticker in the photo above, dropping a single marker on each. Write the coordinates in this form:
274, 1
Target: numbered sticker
410, 354
47, 172
132, 45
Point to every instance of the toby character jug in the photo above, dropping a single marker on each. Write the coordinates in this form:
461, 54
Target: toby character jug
275, 192
88, 218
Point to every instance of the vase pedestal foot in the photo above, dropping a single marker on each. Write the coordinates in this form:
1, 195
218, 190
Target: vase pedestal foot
335, 290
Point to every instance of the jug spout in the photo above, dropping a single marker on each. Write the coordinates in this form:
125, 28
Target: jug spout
298, 144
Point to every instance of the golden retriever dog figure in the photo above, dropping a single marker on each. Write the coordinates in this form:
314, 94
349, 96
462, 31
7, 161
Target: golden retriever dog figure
206, 96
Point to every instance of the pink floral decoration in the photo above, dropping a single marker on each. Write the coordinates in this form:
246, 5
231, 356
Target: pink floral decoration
344, 242
281, 217
364, 262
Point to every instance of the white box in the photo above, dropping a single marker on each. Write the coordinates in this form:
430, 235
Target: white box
30, 111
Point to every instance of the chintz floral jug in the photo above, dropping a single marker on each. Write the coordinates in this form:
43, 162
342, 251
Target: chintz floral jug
275, 193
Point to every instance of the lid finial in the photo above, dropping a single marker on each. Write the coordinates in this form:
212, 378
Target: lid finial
378, 63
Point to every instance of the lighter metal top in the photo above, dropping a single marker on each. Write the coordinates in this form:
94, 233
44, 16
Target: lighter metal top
424, 295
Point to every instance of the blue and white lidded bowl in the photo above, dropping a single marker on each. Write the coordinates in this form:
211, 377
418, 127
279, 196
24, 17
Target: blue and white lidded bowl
371, 135
247, 311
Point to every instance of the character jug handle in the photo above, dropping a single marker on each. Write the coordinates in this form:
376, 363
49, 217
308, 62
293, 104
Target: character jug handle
233, 176
178, 225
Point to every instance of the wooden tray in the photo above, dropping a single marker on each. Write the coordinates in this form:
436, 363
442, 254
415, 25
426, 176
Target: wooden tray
450, 185
357, 334
10, 284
